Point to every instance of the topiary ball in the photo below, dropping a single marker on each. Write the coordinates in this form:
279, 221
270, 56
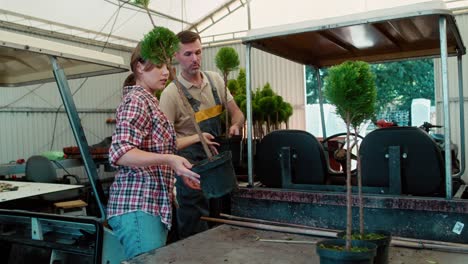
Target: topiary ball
159, 45
227, 59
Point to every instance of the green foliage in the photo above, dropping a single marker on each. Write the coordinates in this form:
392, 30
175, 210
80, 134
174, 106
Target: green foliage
350, 86
241, 81
159, 46
342, 248
233, 87
143, 3
227, 60
269, 110
398, 83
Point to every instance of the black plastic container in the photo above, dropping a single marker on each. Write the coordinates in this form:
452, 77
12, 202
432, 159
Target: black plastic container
217, 176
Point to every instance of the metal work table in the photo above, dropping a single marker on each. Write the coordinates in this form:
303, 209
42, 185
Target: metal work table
6, 169
29, 189
229, 244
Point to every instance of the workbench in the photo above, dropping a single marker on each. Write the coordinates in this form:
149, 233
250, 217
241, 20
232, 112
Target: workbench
29, 189
241, 245
7, 169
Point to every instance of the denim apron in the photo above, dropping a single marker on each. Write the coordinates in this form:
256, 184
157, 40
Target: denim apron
192, 203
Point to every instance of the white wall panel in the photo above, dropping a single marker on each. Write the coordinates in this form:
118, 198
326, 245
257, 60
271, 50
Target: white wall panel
23, 134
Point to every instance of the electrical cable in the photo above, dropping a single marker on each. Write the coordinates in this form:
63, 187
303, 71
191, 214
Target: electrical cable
116, 13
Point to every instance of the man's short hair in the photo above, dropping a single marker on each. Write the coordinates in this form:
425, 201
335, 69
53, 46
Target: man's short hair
188, 36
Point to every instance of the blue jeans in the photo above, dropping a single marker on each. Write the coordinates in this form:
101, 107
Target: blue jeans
139, 232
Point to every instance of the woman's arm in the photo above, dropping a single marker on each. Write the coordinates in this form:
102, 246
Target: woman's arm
139, 158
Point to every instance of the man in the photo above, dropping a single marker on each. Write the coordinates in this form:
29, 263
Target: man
206, 94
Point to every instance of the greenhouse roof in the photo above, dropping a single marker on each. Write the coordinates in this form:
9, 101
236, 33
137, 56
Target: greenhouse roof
26, 60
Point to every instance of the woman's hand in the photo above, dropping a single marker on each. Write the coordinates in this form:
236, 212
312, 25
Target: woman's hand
181, 167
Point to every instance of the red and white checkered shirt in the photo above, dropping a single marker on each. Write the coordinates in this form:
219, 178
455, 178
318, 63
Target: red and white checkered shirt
142, 125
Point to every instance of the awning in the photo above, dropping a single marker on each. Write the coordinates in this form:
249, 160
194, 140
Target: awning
24, 60
380, 35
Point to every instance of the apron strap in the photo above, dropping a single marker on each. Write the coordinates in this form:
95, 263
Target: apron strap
193, 102
213, 90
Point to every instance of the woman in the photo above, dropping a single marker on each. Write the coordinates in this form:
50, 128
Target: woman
141, 197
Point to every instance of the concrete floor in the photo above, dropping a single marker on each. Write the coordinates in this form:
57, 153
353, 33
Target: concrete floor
236, 245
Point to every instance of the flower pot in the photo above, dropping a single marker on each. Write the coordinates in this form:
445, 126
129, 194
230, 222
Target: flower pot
334, 256
217, 177
383, 245
233, 144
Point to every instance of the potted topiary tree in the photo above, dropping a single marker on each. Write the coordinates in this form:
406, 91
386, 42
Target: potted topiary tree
350, 86
226, 60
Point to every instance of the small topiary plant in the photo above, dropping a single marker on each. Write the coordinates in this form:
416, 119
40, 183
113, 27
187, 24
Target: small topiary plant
350, 86
159, 46
226, 60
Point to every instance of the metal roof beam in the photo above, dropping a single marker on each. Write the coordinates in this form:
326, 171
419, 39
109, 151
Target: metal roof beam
208, 21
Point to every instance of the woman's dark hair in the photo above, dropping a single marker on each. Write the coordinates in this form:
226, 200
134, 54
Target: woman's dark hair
130, 80
136, 58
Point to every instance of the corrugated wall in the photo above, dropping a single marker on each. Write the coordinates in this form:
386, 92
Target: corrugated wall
462, 22
29, 123
286, 78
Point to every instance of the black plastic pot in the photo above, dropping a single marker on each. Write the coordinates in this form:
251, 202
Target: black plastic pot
236, 145
332, 256
383, 245
217, 176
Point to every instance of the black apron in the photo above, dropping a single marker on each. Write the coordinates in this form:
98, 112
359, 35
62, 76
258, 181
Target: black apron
192, 203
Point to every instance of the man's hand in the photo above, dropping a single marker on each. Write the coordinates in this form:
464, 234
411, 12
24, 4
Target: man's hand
234, 130
211, 143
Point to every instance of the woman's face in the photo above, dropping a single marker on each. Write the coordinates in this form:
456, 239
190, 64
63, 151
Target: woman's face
153, 79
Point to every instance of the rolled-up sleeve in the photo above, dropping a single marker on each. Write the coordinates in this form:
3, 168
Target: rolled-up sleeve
131, 128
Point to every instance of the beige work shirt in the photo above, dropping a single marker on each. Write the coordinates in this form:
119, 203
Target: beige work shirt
172, 105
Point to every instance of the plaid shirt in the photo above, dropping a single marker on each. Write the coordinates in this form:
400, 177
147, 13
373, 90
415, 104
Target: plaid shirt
142, 125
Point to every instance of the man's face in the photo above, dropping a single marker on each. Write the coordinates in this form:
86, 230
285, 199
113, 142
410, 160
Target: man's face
189, 57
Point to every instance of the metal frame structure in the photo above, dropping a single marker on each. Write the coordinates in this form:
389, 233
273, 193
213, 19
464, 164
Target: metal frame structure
424, 30
377, 36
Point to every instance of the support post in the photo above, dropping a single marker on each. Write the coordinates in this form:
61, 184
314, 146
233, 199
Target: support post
78, 133
445, 96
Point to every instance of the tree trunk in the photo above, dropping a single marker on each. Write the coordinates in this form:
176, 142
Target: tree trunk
359, 178
349, 213
225, 103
